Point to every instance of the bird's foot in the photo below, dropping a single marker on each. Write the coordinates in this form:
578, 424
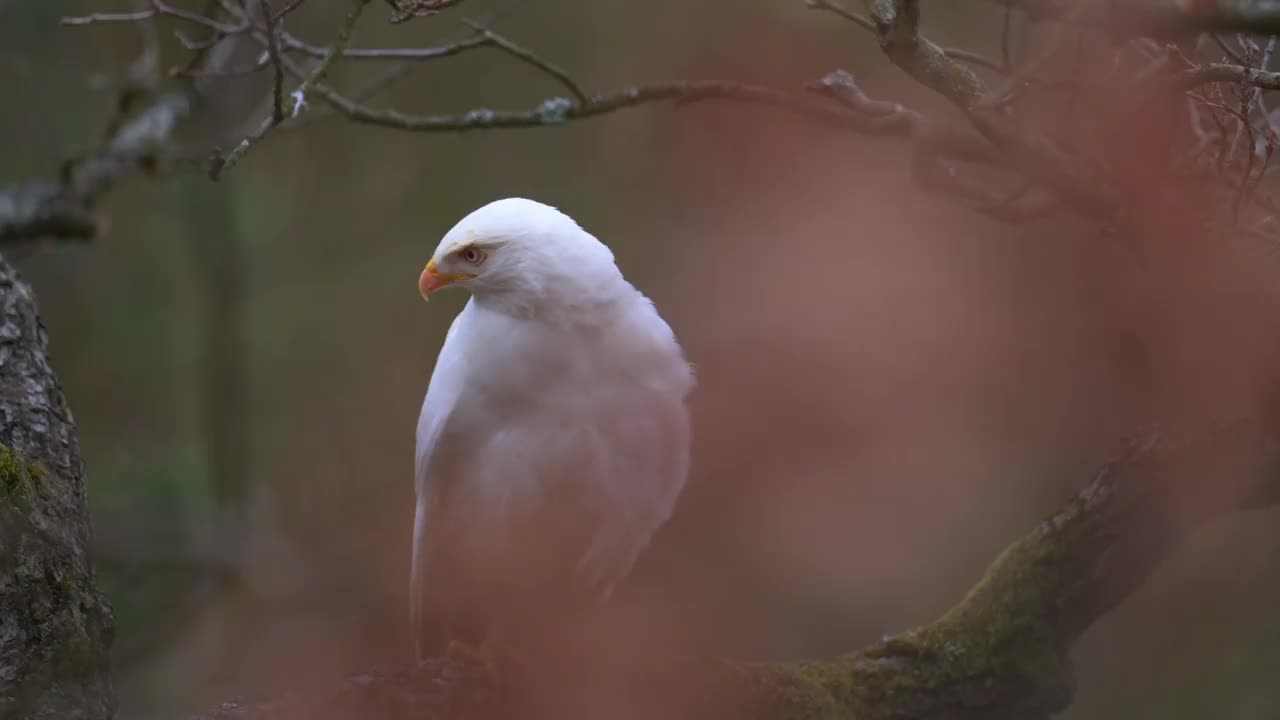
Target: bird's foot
481, 655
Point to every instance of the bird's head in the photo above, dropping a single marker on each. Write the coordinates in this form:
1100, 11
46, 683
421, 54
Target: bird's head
519, 250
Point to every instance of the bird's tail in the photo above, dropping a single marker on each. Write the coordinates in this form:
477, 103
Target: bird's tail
417, 583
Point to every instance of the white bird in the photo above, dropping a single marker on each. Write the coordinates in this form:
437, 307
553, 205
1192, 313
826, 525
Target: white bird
554, 437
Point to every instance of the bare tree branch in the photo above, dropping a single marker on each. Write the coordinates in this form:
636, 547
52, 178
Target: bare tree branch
1035, 158
109, 17
1222, 72
897, 25
935, 148
158, 8
419, 54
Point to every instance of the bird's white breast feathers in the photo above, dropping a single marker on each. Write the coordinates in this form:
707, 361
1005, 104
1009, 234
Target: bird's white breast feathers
515, 406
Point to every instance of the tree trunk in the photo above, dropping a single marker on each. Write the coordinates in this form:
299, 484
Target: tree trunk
55, 626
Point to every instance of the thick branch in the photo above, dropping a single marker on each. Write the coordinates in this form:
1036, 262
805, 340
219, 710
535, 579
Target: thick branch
1001, 652
865, 23
935, 174
898, 26
935, 147
1224, 72
1046, 168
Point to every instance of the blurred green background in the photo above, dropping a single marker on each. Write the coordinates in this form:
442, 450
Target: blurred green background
891, 388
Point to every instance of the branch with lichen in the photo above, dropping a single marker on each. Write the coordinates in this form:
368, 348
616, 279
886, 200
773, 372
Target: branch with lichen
1039, 174
59, 209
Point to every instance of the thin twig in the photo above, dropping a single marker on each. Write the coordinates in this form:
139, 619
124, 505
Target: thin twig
404, 10
1227, 49
531, 58
339, 47
273, 50
198, 45
219, 164
198, 19
294, 5
108, 17
1270, 50
292, 43
557, 110
157, 8
197, 72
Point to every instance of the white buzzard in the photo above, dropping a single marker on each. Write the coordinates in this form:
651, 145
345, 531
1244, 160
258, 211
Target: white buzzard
554, 437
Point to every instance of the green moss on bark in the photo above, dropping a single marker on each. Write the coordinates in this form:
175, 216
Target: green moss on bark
15, 477
16, 492
52, 609
1003, 649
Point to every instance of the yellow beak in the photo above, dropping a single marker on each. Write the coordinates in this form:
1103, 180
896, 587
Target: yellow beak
432, 280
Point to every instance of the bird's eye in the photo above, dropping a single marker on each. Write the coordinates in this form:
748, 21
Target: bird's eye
473, 255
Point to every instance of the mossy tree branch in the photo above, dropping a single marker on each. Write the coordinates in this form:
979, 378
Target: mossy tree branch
1002, 652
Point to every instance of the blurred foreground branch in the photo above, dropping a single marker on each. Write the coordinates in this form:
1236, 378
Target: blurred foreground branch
65, 207
1166, 17
139, 140
1001, 652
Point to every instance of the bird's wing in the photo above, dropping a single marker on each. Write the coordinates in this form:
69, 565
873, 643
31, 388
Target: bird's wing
442, 395
645, 470
647, 432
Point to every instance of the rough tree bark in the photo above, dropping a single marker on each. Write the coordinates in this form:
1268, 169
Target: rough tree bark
55, 626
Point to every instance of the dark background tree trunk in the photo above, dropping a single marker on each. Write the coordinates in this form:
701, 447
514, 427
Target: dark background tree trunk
55, 626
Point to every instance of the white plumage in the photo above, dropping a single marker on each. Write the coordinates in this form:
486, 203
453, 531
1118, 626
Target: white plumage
554, 437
